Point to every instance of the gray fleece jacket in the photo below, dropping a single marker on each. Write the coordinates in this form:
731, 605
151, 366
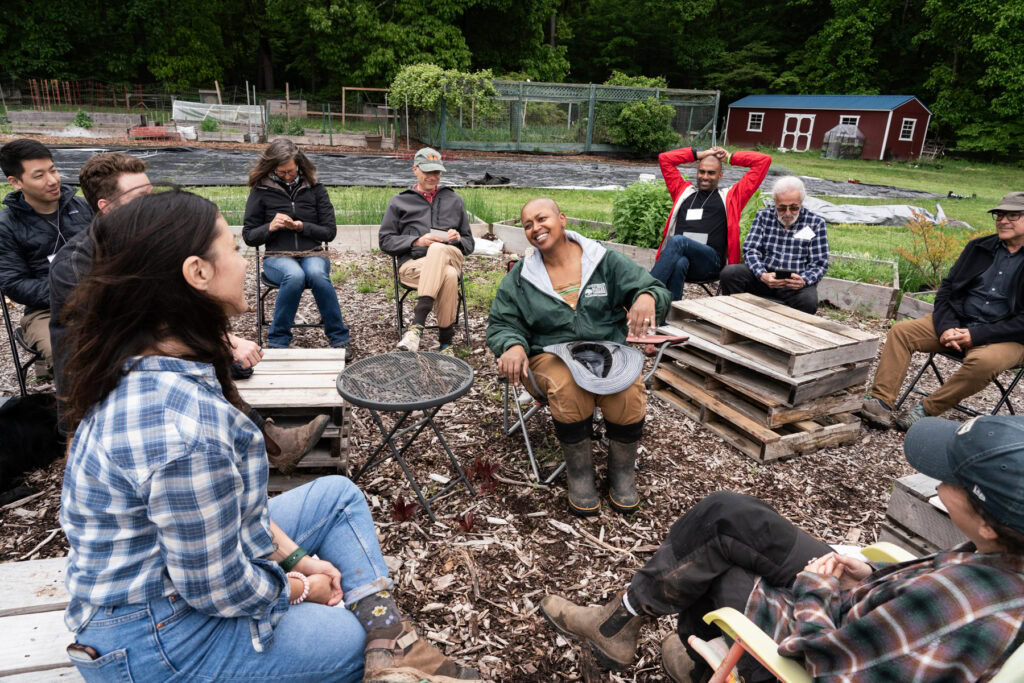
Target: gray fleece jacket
409, 216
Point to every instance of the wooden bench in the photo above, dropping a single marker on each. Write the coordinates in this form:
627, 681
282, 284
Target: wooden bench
32, 626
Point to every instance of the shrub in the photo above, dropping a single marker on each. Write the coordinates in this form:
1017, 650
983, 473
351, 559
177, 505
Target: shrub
934, 250
645, 126
639, 213
82, 119
275, 126
209, 125
423, 86
296, 127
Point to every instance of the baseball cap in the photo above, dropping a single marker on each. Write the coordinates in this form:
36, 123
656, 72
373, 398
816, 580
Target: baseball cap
1012, 201
984, 455
428, 159
600, 367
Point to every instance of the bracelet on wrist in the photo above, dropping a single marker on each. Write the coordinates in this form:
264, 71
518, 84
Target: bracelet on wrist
305, 587
289, 562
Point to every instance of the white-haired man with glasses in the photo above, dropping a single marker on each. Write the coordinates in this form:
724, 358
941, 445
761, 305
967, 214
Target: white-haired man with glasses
786, 251
978, 315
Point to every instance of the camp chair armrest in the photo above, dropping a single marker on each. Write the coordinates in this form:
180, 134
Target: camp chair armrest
884, 551
735, 625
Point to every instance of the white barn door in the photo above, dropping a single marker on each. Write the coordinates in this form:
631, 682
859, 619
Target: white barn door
796, 132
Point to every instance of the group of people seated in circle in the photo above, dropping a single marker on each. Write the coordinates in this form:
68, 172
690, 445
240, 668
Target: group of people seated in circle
181, 567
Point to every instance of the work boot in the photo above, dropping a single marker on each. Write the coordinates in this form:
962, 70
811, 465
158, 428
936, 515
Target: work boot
579, 473
911, 417
875, 412
622, 492
411, 339
286, 446
610, 630
675, 660
409, 659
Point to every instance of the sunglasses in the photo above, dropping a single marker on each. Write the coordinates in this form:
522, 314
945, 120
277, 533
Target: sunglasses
1008, 215
787, 208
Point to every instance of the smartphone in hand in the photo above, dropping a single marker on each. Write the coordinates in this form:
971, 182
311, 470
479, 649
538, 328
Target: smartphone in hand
783, 274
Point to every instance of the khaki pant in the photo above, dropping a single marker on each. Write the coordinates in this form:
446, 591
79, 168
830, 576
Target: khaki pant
569, 403
981, 365
36, 328
436, 275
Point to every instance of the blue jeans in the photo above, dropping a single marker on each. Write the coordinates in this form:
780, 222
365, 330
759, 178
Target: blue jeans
292, 275
682, 257
166, 640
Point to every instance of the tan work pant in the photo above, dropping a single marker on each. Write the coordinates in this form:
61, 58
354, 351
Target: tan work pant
36, 328
981, 365
569, 403
436, 275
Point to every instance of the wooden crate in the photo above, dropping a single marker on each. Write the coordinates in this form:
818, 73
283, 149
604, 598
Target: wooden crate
748, 435
917, 516
772, 334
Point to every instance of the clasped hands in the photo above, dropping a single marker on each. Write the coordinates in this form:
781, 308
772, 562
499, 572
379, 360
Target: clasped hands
720, 152
430, 238
850, 571
324, 581
794, 281
958, 338
283, 221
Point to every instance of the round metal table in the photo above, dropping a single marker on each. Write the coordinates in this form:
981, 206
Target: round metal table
404, 382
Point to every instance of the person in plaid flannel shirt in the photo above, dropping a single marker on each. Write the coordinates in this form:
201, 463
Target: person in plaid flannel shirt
786, 251
956, 615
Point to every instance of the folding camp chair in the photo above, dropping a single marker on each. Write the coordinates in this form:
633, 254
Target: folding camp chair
706, 286
17, 339
747, 637
540, 400
1004, 391
263, 288
406, 290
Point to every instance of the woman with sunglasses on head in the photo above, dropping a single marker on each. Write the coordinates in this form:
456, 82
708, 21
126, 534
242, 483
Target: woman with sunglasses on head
180, 568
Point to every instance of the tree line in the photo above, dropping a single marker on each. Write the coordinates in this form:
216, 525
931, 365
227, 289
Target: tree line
955, 55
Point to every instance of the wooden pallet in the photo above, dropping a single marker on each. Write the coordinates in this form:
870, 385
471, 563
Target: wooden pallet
916, 514
748, 435
772, 334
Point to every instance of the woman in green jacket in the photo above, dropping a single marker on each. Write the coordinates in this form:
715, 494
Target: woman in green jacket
572, 288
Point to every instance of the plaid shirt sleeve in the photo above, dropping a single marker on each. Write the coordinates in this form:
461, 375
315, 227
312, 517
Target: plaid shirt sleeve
817, 263
755, 244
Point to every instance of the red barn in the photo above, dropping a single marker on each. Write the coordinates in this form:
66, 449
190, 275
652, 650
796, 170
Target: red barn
893, 125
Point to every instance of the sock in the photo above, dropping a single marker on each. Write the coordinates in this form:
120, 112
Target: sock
446, 335
424, 305
627, 605
378, 612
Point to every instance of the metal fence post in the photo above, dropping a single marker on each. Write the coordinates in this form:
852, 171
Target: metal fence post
520, 119
444, 123
590, 120
330, 126
714, 121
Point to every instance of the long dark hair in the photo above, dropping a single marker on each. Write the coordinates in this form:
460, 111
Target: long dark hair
278, 152
136, 297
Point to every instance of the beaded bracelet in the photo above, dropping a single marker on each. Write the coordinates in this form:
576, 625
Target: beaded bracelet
305, 587
289, 562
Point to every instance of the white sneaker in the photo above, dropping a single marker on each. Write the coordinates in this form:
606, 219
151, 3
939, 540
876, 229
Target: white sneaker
411, 339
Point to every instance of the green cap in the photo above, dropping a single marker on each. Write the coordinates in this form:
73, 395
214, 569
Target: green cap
428, 159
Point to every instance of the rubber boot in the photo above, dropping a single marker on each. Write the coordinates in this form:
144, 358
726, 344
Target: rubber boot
675, 660
286, 446
410, 659
622, 492
579, 473
610, 630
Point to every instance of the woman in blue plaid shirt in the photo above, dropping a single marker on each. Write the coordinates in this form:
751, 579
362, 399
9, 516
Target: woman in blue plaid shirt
180, 568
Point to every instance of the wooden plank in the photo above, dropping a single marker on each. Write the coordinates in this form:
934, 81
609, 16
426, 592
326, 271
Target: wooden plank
909, 506
755, 355
40, 586
802, 329
823, 323
33, 642
292, 380
291, 398
913, 308
843, 431
893, 533
878, 301
304, 354
707, 309
69, 673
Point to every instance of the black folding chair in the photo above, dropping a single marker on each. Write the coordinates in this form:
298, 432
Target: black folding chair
263, 288
406, 290
1004, 391
706, 286
16, 338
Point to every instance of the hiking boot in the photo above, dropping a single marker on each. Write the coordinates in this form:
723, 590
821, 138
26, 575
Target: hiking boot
447, 350
411, 339
410, 659
675, 660
876, 412
910, 417
622, 492
579, 475
610, 630
286, 446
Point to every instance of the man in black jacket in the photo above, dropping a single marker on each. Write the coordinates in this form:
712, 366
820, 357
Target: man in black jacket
979, 315
41, 217
427, 227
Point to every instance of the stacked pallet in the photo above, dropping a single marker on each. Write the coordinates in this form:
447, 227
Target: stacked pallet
770, 380
916, 519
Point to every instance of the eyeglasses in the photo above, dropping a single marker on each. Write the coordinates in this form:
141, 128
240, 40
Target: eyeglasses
1011, 216
787, 208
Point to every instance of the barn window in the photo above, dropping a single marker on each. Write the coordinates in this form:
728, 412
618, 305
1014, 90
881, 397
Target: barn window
755, 121
907, 130
849, 120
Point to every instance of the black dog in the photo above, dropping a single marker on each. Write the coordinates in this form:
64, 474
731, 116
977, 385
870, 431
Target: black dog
28, 440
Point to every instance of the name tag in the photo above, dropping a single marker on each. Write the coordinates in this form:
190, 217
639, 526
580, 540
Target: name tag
805, 233
694, 214
597, 289
701, 237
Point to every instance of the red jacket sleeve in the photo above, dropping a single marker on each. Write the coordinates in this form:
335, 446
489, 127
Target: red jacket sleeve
740, 193
674, 181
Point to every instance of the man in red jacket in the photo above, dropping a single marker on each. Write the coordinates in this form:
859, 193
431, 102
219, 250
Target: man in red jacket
705, 219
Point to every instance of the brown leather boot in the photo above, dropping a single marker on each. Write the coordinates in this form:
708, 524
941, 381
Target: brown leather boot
622, 492
409, 659
286, 446
610, 630
674, 659
579, 475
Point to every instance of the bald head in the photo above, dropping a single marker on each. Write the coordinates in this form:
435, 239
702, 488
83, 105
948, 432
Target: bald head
709, 173
540, 202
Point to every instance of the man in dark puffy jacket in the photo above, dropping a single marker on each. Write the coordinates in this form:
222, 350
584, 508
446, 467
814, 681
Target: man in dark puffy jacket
41, 216
427, 227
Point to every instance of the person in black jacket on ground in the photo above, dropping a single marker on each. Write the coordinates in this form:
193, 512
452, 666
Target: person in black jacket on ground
41, 216
290, 213
979, 314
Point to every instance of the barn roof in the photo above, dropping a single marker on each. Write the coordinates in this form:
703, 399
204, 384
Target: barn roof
844, 102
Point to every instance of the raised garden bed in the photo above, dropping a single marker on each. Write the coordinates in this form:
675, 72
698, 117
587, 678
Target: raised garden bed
314, 137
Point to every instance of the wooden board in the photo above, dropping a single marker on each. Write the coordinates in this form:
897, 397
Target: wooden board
294, 378
34, 642
40, 586
908, 540
911, 506
878, 301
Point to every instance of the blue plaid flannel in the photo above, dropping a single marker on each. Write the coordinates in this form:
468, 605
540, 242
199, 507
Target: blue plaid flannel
165, 492
770, 246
